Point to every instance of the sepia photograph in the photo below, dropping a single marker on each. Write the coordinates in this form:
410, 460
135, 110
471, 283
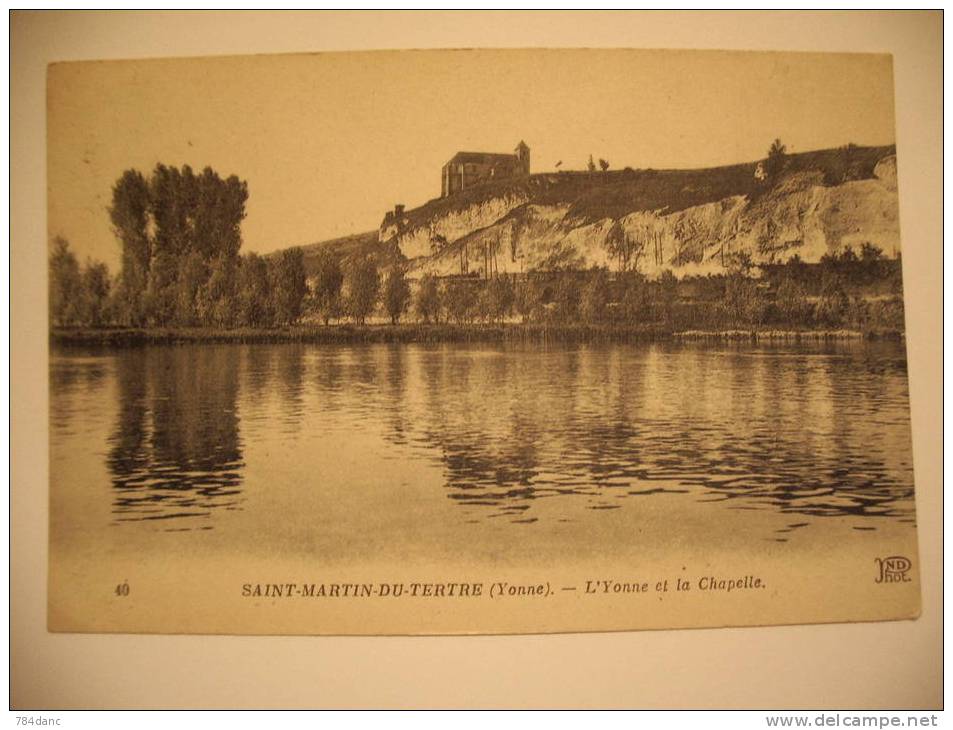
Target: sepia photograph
476, 359
477, 341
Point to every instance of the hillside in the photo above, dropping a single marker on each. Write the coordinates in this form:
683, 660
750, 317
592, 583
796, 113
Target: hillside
344, 248
690, 221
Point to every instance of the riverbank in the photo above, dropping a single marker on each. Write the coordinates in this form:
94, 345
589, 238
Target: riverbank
788, 335
371, 333
348, 333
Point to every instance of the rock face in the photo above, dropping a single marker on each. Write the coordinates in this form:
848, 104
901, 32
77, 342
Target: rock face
517, 231
421, 241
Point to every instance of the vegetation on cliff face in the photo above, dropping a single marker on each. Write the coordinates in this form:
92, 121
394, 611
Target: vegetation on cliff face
592, 196
691, 221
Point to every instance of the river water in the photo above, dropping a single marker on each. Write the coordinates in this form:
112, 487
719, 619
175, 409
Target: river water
488, 453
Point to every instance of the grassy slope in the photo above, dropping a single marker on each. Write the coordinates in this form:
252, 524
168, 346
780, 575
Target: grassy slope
347, 247
613, 194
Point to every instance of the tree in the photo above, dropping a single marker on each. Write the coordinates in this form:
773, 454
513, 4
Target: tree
217, 298
129, 214
896, 278
173, 207
777, 158
592, 165
739, 263
167, 227
858, 312
635, 305
603, 164
615, 243
742, 302
289, 285
218, 207
396, 293
253, 295
96, 287
668, 294
496, 299
869, 253
795, 267
65, 285
791, 302
620, 243
201, 213
528, 299
460, 300
566, 299
363, 283
595, 298
328, 280
843, 166
847, 256
427, 300
832, 306
189, 282
159, 299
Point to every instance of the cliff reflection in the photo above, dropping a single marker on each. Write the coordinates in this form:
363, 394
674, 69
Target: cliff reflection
811, 433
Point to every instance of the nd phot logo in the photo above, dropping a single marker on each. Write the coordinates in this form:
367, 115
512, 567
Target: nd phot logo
893, 569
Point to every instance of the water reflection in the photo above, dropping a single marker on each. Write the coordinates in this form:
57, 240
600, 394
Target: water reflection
175, 453
818, 434
809, 432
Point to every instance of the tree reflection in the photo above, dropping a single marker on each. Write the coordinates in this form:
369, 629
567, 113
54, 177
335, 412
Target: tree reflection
175, 451
611, 425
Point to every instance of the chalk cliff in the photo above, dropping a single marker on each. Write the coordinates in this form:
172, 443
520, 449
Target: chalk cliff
689, 221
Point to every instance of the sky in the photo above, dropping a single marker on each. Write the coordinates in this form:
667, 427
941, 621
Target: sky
329, 142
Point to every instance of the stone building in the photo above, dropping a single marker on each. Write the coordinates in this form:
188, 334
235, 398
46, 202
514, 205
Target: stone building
466, 169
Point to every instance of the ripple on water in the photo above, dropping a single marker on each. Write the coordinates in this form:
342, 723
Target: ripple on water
529, 435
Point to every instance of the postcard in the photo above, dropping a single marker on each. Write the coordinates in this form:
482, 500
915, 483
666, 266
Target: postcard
477, 342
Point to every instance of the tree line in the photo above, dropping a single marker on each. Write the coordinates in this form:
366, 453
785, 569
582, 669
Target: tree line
630, 300
251, 290
181, 266
843, 290
180, 234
